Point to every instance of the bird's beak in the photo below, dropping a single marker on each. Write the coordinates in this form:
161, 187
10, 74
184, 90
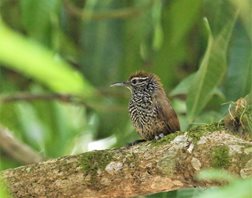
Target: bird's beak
120, 84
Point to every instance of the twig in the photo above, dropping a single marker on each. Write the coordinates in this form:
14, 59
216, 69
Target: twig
102, 15
30, 97
43, 96
16, 149
73, 99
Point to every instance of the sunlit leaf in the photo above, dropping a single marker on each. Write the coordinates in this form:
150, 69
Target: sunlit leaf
30, 59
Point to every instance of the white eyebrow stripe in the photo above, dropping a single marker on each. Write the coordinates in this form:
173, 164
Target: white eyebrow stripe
140, 78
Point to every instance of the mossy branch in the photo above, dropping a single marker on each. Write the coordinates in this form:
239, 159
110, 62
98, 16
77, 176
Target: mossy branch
164, 165
168, 164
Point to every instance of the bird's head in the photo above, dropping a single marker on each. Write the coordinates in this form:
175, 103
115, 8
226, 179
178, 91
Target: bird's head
140, 81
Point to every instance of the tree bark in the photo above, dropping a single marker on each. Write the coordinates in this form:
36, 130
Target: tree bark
154, 166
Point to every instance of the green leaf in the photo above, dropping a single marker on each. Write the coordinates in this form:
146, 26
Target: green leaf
137, 38
212, 70
34, 12
175, 29
101, 43
180, 25
237, 189
30, 59
183, 86
33, 129
238, 82
245, 13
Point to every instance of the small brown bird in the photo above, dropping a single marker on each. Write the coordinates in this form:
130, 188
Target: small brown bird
150, 110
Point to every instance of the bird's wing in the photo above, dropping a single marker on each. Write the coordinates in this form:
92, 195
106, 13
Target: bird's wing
166, 112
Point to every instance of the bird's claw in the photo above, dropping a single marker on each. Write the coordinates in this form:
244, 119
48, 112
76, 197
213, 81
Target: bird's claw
159, 136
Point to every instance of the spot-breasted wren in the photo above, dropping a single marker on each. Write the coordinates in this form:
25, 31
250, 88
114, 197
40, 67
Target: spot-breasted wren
150, 111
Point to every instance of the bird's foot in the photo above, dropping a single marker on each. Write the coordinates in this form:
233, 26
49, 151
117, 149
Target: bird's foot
159, 136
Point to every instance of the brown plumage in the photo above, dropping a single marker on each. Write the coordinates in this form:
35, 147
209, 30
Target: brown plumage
150, 110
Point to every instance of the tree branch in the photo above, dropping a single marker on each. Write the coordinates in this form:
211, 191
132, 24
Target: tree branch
168, 164
16, 149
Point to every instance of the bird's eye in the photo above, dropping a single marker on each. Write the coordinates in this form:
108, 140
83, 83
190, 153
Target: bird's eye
133, 81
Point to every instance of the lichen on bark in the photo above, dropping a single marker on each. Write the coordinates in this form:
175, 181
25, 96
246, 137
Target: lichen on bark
92, 164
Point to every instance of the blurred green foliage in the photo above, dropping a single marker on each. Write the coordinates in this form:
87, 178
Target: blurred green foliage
237, 188
3, 192
202, 51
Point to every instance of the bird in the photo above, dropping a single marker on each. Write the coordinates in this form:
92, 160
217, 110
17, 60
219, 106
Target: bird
150, 110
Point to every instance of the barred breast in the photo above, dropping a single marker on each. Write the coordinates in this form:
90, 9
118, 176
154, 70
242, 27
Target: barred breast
144, 117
